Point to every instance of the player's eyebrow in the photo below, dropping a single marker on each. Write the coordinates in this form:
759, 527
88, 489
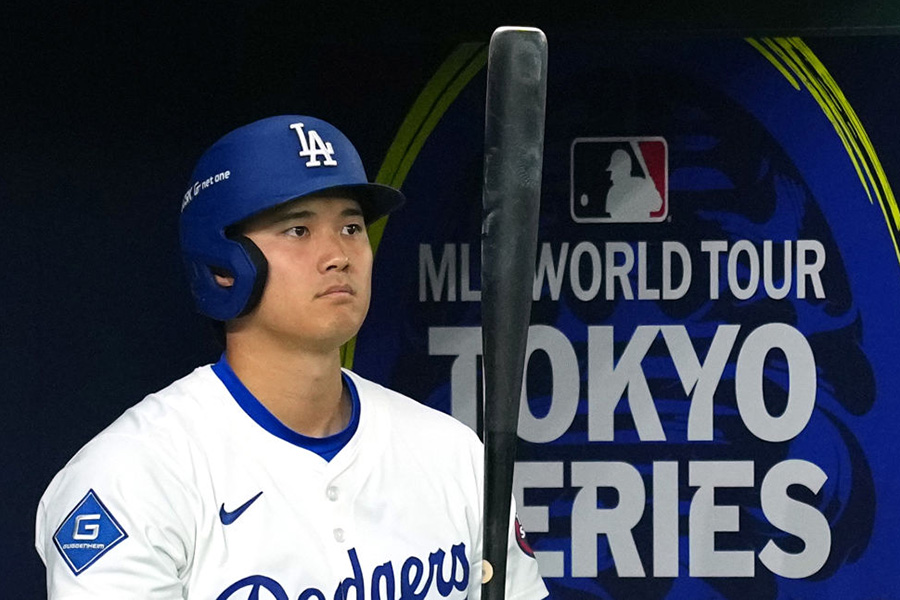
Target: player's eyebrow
291, 215
352, 211
301, 213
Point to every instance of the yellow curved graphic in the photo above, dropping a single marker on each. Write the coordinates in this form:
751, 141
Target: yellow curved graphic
439, 93
796, 61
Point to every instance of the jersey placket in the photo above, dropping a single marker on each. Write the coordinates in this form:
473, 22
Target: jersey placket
338, 492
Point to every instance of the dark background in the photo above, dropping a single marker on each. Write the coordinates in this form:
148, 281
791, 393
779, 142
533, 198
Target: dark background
105, 108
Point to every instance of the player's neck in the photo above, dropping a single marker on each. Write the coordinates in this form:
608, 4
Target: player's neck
303, 389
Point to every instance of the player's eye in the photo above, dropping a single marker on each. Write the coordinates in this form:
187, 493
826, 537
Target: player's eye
352, 229
297, 231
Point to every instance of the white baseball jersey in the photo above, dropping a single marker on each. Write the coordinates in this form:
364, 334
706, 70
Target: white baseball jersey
194, 493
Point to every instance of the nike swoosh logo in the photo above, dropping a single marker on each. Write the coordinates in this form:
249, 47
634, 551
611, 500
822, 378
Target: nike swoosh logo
229, 517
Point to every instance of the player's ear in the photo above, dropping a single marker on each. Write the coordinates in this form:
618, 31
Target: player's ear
223, 278
225, 282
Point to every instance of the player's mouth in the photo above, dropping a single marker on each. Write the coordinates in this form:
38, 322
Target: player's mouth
337, 291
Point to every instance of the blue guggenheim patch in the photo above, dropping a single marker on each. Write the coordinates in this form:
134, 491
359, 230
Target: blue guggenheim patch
87, 533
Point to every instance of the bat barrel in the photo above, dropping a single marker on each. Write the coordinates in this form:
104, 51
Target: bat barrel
514, 140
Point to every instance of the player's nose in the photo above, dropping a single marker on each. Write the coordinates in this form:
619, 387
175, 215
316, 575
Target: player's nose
333, 255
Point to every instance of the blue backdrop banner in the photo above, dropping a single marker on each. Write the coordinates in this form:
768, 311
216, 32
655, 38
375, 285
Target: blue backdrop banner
709, 406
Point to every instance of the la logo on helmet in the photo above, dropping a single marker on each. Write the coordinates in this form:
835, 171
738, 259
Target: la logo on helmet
313, 147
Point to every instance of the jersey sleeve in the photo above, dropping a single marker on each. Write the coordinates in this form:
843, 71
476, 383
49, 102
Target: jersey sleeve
115, 523
523, 580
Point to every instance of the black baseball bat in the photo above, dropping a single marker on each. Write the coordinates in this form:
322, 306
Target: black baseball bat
513, 156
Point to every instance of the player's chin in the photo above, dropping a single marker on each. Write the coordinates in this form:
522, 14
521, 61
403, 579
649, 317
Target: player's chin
338, 331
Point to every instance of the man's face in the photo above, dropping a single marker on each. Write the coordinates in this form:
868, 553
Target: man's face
320, 272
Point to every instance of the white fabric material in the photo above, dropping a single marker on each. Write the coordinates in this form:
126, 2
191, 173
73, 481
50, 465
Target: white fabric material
399, 507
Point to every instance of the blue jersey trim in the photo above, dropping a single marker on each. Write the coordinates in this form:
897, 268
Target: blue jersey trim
326, 447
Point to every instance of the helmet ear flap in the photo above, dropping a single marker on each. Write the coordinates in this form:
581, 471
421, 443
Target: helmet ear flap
262, 272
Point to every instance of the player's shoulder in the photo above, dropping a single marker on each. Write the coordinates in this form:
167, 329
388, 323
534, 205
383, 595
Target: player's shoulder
153, 435
412, 416
165, 414
142, 459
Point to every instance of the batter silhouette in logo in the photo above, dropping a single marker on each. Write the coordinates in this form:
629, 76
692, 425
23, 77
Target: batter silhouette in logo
619, 180
629, 198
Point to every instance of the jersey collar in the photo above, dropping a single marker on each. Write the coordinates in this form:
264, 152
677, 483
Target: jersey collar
326, 447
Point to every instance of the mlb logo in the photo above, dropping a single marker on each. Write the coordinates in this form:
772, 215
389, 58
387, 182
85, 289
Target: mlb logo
619, 180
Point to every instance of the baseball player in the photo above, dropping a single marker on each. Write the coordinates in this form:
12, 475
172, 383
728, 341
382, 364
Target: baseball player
273, 473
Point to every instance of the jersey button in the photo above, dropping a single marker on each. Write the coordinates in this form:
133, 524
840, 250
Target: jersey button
339, 534
331, 493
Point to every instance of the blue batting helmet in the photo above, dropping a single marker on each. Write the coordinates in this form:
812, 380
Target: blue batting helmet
249, 170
